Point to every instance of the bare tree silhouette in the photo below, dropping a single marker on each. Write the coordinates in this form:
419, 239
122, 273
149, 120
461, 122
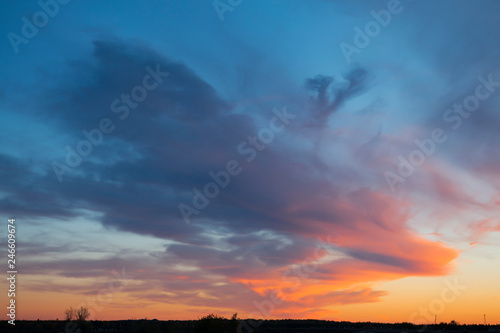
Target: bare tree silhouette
82, 313
70, 314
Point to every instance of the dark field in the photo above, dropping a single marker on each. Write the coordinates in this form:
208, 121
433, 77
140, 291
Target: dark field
229, 326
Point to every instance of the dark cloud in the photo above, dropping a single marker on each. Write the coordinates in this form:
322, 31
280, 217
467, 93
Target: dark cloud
264, 221
329, 98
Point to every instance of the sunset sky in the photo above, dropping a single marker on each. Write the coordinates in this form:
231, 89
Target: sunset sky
318, 159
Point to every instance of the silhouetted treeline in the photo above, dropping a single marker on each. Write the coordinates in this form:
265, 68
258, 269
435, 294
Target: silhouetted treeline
216, 324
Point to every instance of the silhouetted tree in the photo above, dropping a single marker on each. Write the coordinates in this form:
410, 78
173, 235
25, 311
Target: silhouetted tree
82, 313
216, 324
70, 314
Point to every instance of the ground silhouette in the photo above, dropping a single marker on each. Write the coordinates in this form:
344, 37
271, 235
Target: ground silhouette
217, 324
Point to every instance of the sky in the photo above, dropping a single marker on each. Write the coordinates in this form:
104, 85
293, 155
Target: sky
318, 159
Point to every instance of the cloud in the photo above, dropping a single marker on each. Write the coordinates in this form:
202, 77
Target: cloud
326, 102
266, 221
